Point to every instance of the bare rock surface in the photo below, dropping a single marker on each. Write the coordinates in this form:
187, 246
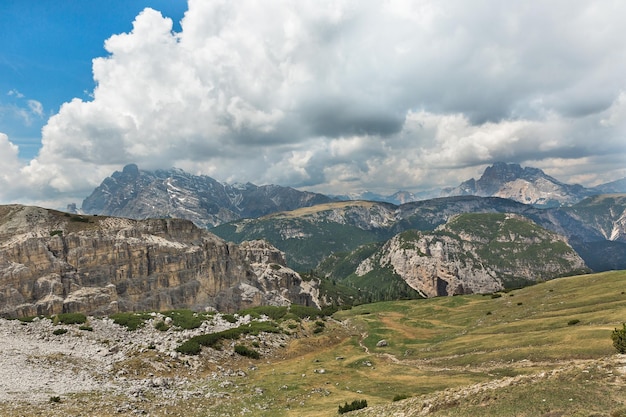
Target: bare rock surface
53, 262
36, 364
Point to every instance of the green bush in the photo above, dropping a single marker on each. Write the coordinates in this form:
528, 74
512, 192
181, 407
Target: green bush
247, 352
355, 405
190, 347
132, 321
55, 399
59, 332
619, 339
56, 233
86, 328
229, 318
304, 311
79, 219
71, 318
212, 339
28, 319
573, 322
273, 312
161, 326
400, 397
186, 319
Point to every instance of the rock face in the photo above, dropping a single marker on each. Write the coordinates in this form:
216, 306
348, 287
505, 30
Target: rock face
476, 253
526, 185
139, 194
52, 262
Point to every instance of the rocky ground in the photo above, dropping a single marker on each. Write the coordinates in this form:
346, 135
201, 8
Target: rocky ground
39, 368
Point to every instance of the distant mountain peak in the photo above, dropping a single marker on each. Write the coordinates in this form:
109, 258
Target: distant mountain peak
140, 194
527, 185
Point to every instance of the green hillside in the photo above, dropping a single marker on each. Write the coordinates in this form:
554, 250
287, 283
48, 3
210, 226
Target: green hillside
309, 234
477, 247
549, 341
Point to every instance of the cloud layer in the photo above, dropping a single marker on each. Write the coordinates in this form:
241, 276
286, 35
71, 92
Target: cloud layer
340, 96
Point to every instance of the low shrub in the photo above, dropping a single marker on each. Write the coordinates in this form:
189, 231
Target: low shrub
71, 318
400, 397
247, 352
86, 328
355, 405
496, 295
55, 399
273, 312
190, 347
229, 318
59, 332
573, 322
161, 326
79, 219
213, 339
186, 319
304, 311
619, 339
132, 321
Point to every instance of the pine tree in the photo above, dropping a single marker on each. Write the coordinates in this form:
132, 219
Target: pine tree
619, 339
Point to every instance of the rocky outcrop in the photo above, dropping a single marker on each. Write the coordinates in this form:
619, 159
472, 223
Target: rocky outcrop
140, 194
52, 262
476, 253
526, 185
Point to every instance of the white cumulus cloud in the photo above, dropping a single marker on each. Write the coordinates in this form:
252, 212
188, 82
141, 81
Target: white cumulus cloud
346, 95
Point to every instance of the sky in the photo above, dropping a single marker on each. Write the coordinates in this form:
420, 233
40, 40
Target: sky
329, 96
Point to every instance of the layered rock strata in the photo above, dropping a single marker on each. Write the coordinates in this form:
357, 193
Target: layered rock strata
53, 262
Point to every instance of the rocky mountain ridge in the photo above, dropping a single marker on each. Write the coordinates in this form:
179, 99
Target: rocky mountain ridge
526, 185
140, 194
53, 262
593, 226
475, 253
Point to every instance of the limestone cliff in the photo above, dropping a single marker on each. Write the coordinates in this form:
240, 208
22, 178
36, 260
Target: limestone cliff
476, 253
527, 185
52, 262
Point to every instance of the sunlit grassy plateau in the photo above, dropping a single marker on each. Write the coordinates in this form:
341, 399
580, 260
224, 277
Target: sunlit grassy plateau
543, 350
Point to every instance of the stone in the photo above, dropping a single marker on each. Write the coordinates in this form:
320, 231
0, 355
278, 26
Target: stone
53, 262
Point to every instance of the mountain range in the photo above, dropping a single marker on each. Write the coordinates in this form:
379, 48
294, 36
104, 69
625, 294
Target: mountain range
140, 194
308, 227
595, 227
386, 250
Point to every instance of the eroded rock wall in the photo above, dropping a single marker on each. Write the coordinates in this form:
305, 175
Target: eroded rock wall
52, 262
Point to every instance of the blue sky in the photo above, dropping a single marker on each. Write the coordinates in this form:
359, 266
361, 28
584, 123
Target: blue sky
46, 49
337, 97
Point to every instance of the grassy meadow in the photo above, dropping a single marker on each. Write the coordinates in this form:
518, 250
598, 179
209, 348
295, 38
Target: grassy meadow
444, 343
543, 350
